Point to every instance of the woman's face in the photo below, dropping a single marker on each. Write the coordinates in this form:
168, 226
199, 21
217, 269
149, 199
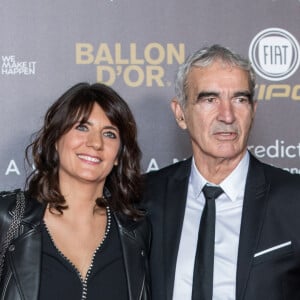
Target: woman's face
88, 151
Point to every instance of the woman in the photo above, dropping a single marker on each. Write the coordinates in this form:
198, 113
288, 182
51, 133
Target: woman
81, 236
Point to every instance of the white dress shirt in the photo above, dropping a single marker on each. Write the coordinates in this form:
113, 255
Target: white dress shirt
228, 220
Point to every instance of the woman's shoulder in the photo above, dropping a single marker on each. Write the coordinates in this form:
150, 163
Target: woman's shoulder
140, 228
131, 223
8, 200
33, 210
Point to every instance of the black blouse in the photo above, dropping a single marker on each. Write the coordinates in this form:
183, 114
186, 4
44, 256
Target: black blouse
60, 279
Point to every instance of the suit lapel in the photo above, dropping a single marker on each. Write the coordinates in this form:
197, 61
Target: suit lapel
174, 212
254, 208
132, 255
24, 254
25, 259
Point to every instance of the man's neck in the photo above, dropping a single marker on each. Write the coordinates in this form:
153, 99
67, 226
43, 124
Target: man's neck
215, 170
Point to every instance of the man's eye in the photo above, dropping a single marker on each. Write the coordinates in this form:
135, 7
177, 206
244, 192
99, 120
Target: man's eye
207, 99
110, 134
241, 100
210, 99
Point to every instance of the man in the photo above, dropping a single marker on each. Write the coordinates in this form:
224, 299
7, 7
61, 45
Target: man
255, 252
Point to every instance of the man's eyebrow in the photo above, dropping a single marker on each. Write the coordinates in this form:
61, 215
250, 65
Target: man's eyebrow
207, 94
242, 93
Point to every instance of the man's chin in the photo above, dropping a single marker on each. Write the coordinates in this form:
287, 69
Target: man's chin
229, 154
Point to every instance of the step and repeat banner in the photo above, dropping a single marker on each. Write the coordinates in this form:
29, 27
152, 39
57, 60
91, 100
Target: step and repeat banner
135, 46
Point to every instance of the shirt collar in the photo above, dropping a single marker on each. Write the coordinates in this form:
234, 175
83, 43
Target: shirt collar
233, 185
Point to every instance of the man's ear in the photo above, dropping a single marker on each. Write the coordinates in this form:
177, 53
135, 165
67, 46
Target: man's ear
254, 107
178, 113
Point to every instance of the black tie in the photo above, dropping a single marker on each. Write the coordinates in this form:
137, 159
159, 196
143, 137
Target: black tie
204, 259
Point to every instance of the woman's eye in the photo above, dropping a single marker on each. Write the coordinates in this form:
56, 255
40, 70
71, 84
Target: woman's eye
110, 134
81, 127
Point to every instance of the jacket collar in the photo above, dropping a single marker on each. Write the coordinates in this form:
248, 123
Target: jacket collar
176, 192
24, 260
34, 211
254, 209
25, 255
134, 250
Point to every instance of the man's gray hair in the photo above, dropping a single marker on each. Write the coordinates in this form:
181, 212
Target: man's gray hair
203, 58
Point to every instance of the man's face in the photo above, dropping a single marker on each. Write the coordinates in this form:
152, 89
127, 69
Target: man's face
218, 114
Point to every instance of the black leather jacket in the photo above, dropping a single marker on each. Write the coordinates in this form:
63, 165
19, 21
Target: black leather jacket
21, 274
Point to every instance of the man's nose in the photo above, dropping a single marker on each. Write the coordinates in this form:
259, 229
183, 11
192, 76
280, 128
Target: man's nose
226, 111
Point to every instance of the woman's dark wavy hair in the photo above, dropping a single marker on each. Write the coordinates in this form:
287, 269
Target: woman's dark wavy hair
123, 184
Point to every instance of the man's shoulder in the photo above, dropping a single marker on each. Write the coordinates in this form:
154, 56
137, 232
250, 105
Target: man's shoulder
279, 176
182, 167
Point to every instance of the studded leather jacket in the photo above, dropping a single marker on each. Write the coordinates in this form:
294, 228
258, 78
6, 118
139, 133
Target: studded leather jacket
21, 274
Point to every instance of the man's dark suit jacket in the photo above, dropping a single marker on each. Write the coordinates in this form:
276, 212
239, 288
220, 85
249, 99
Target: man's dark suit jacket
270, 217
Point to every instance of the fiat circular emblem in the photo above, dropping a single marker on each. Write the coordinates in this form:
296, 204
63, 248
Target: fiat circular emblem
274, 54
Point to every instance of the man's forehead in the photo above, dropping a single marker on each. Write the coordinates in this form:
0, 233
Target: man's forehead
216, 73
217, 64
